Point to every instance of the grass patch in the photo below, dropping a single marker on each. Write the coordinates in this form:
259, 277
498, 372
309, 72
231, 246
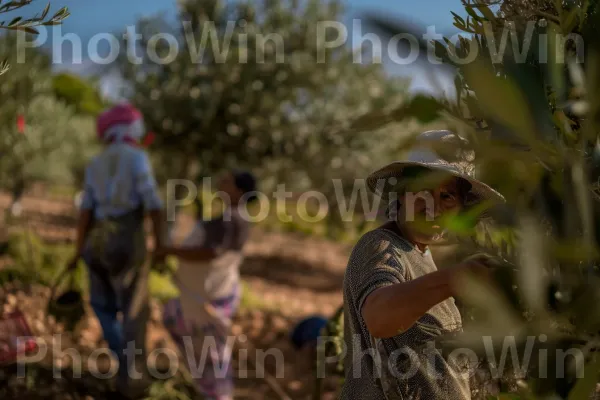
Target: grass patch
38, 262
62, 191
173, 389
161, 287
251, 301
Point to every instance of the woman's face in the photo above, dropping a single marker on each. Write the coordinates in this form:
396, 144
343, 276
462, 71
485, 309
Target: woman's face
420, 212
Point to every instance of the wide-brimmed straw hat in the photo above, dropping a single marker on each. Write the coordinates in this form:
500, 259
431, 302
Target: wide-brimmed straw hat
424, 155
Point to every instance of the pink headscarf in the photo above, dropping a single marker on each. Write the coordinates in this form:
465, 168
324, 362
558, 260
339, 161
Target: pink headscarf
121, 123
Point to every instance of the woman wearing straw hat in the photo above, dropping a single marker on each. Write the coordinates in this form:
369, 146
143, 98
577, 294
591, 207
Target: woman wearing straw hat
119, 189
396, 301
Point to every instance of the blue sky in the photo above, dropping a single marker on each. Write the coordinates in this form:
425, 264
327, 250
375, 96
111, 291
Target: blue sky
90, 17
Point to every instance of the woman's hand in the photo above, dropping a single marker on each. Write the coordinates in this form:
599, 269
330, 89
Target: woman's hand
479, 265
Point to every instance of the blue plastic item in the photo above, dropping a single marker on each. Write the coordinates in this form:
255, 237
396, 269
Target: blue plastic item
308, 330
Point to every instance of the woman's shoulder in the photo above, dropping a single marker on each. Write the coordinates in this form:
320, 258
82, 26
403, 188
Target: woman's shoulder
378, 254
383, 234
379, 240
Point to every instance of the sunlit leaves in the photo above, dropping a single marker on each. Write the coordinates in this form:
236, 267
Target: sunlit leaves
74, 91
463, 223
28, 25
500, 99
533, 125
4, 67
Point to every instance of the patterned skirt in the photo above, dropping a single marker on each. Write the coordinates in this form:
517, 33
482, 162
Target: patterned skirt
207, 336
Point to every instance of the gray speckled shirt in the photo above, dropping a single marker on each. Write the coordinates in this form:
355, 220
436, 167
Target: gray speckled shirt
411, 367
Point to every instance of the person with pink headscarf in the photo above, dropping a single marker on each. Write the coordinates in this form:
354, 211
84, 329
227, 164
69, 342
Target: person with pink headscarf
119, 190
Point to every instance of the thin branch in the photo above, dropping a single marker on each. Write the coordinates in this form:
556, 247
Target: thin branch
548, 16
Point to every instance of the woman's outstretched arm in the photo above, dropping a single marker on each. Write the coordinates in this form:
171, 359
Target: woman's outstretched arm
393, 309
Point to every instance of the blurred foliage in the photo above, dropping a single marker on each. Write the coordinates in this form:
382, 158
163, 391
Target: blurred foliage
256, 95
79, 93
179, 388
30, 78
250, 300
56, 138
532, 119
162, 287
523, 11
54, 147
27, 25
34, 261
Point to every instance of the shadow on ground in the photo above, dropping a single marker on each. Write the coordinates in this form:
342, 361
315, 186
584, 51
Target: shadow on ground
56, 220
292, 272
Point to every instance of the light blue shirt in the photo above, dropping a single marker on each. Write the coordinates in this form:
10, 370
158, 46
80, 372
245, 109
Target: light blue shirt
118, 181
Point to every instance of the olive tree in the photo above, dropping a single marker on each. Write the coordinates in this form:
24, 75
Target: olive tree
255, 85
44, 137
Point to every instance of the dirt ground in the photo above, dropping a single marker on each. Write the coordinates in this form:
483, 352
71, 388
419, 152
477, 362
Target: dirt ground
293, 276
290, 276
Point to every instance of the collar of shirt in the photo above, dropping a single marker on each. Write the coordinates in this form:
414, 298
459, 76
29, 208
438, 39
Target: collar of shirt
126, 139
